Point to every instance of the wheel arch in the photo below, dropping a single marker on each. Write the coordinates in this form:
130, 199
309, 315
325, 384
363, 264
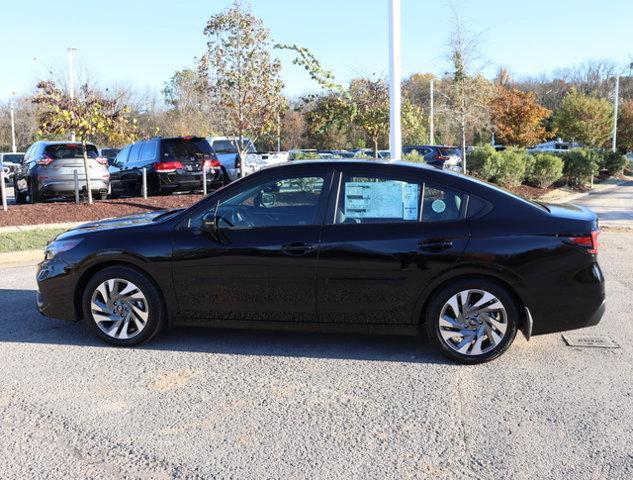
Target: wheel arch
505, 279
95, 268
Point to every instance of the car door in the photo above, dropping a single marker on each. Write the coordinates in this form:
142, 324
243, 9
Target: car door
387, 234
262, 264
130, 175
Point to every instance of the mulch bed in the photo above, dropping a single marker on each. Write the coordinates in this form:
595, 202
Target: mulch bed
69, 211
530, 192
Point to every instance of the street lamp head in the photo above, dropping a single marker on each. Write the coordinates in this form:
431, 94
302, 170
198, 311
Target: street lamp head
72, 49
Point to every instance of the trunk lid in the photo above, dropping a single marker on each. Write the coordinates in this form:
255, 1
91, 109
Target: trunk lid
573, 218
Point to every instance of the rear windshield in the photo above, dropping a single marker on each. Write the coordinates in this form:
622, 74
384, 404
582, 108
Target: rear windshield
450, 151
70, 150
230, 146
12, 158
185, 149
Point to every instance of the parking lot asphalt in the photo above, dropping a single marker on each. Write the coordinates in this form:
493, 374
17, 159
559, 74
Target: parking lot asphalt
209, 403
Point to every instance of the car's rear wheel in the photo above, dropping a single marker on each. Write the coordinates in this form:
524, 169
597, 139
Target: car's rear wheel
123, 306
33, 196
472, 320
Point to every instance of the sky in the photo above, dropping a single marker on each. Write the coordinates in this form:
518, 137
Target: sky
143, 42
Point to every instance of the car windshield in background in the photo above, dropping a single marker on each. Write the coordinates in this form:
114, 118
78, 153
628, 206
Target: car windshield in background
70, 150
230, 146
110, 152
185, 149
448, 152
14, 158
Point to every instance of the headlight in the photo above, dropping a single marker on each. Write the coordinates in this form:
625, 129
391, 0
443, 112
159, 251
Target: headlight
59, 246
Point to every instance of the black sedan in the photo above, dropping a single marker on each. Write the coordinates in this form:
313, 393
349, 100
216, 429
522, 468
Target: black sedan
337, 245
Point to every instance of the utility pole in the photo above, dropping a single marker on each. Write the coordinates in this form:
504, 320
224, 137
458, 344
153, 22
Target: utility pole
615, 112
71, 81
14, 148
278, 131
395, 68
432, 119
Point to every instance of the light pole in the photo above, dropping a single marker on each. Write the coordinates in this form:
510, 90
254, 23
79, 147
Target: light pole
615, 112
71, 81
14, 148
432, 118
395, 68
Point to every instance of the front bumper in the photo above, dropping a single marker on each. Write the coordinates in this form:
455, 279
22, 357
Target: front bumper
55, 283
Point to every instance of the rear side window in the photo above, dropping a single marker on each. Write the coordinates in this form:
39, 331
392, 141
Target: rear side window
441, 204
148, 153
69, 150
184, 149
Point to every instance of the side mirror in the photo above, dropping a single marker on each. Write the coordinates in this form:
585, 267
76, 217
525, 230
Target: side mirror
210, 224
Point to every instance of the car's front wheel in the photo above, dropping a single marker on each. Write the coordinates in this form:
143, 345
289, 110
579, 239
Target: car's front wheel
123, 306
472, 320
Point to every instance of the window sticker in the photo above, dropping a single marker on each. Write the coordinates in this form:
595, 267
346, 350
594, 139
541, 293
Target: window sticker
391, 199
438, 206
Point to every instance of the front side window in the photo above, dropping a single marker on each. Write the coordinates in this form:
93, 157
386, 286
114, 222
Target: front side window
378, 199
292, 201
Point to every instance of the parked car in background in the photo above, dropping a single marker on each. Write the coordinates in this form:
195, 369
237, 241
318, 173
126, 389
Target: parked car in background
227, 152
171, 165
439, 156
48, 170
109, 153
364, 246
554, 146
10, 162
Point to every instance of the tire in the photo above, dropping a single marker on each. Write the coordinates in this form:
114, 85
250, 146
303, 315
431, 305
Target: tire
33, 196
19, 197
489, 333
143, 307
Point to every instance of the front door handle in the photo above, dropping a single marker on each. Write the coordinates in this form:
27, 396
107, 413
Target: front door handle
296, 249
434, 245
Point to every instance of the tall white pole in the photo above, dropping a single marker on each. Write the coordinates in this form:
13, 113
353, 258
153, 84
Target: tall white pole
14, 148
71, 80
615, 112
432, 118
395, 69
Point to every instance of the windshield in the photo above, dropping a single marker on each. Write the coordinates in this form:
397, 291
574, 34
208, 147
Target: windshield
70, 150
450, 151
110, 152
13, 158
230, 146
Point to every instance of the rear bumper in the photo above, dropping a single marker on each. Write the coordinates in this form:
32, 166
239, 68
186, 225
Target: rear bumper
188, 181
68, 187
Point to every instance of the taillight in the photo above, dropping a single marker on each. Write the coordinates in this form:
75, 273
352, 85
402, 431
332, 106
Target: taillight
212, 163
102, 160
45, 161
590, 242
167, 167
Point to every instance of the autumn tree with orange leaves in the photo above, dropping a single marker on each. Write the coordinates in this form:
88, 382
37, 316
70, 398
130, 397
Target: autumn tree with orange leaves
518, 118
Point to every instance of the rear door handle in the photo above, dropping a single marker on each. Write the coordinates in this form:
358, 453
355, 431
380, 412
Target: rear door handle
296, 249
435, 246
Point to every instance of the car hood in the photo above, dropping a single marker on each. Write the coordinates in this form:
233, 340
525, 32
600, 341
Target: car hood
134, 220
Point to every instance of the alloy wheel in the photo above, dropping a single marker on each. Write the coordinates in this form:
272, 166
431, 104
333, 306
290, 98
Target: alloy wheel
473, 322
119, 308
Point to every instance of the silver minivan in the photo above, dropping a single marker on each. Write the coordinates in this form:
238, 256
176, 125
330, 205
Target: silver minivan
48, 170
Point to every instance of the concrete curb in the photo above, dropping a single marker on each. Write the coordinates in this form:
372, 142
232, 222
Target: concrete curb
24, 257
575, 196
41, 226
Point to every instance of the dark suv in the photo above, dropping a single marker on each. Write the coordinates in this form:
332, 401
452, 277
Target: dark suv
438, 156
172, 165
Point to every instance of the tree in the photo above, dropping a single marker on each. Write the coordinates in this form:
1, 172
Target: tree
87, 115
625, 126
584, 119
189, 114
518, 118
467, 92
240, 78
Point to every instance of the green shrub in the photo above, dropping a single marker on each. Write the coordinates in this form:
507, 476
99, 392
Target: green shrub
615, 163
510, 167
482, 162
305, 156
413, 156
580, 165
545, 169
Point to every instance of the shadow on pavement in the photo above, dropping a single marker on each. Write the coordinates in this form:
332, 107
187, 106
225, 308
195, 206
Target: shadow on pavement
20, 322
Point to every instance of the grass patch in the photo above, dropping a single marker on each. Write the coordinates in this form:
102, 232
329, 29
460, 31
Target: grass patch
27, 240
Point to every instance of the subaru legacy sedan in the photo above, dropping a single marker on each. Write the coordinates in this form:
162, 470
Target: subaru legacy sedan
337, 245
